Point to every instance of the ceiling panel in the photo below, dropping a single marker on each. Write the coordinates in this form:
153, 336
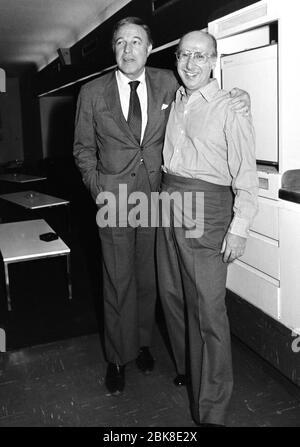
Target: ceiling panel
33, 30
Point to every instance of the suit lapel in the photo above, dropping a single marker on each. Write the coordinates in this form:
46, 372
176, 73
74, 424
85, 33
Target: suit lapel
154, 104
112, 99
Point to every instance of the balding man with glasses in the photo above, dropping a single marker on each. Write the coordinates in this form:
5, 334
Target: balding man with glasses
209, 152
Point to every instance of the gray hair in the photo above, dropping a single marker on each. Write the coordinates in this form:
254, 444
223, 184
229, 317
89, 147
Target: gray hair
131, 21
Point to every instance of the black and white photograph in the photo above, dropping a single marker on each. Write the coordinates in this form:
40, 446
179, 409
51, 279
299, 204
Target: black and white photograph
149, 217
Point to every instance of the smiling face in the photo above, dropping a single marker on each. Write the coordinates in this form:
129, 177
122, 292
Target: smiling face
132, 48
195, 75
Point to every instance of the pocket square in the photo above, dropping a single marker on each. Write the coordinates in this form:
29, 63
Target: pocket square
164, 106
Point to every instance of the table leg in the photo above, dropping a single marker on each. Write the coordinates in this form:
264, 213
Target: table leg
69, 276
7, 286
69, 228
2, 340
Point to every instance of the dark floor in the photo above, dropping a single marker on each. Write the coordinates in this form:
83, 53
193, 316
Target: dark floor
60, 384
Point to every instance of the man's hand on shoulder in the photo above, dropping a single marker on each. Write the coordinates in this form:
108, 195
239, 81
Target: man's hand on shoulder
240, 101
233, 247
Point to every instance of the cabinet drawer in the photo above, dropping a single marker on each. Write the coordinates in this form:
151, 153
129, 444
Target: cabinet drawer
266, 220
254, 287
263, 254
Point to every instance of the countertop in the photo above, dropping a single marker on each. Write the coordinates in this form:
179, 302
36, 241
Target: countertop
290, 190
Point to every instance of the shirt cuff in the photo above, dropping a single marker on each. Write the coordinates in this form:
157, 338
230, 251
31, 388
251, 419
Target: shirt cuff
239, 227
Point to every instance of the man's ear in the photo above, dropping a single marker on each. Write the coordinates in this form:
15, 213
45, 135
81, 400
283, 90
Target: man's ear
149, 49
213, 63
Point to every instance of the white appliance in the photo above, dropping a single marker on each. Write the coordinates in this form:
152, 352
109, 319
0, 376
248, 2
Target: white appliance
256, 275
268, 274
256, 71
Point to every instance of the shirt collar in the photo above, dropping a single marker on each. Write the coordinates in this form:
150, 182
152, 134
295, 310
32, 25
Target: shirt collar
124, 80
208, 91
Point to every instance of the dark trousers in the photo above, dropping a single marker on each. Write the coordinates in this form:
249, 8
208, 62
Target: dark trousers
192, 286
129, 286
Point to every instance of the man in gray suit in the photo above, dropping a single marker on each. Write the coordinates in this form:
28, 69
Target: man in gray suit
119, 132
109, 154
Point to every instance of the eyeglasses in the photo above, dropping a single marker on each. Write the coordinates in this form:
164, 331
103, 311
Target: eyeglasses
198, 57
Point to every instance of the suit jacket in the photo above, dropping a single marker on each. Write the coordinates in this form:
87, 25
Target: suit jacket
105, 149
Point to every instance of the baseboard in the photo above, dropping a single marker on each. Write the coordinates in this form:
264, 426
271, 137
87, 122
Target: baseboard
264, 335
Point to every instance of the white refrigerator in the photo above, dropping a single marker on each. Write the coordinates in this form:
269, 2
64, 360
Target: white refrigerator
256, 71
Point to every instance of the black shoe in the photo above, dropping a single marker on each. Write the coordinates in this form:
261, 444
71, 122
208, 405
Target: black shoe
145, 361
115, 378
180, 380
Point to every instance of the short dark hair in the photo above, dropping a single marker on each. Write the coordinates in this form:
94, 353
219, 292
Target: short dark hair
131, 21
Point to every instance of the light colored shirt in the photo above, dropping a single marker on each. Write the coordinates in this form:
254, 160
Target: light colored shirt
124, 92
207, 140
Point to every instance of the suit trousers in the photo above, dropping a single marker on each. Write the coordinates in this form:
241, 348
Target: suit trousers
192, 286
129, 285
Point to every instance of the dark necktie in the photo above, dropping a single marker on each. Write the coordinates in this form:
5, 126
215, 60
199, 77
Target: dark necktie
135, 114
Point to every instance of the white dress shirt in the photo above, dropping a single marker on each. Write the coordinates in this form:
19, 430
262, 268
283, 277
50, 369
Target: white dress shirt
206, 140
124, 92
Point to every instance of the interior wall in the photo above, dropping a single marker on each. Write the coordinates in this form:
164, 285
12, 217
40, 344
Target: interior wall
11, 133
32, 146
57, 126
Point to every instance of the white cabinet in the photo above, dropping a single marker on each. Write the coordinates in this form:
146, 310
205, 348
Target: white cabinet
268, 275
255, 287
256, 276
289, 223
233, 34
242, 70
267, 220
262, 253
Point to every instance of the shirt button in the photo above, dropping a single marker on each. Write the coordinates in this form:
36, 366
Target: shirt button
133, 174
142, 160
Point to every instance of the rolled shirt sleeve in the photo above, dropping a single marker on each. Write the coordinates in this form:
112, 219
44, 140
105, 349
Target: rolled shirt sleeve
240, 137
